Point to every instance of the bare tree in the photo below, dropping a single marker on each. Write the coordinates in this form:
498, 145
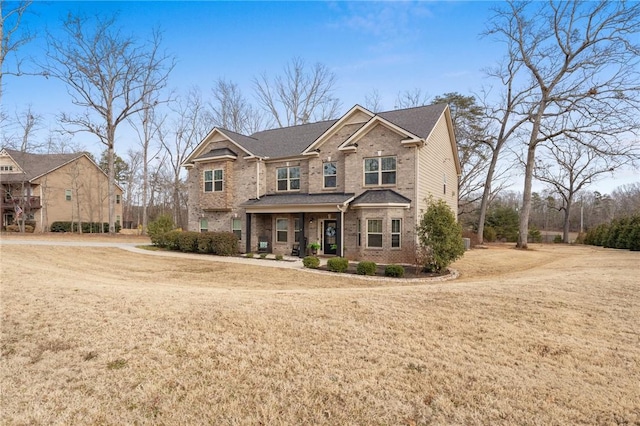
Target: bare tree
582, 60
13, 35
150, 123
230, 109
503, 120
467, 117
411, 98
570, 166
180, 137
373, 101
627, 198
109, 75
26, 124
299, 95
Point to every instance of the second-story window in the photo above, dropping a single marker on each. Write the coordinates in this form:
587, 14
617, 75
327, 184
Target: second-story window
288, 178
213, 180
380, 171
67, 194
329, 172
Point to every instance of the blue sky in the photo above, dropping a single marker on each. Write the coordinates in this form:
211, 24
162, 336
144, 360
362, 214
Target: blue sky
388, 46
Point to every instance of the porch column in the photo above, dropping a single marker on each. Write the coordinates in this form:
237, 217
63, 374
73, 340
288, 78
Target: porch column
248, 239
339, 235
303, 246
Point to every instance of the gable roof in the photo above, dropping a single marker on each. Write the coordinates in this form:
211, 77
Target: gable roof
36, 165
417, 123
289, 141
380, 197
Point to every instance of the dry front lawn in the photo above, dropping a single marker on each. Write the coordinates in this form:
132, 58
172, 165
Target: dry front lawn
96, 335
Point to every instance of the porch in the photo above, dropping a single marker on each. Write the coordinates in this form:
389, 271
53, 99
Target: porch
297, 223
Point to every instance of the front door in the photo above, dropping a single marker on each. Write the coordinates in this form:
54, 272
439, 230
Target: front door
330, 242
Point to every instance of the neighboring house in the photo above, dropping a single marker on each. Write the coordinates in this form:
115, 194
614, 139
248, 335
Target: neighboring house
46, 188
356, 186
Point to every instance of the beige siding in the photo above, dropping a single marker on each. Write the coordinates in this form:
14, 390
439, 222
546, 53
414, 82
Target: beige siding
436, 161
89, 195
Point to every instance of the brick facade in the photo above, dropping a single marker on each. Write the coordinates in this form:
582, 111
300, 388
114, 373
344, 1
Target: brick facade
251, 177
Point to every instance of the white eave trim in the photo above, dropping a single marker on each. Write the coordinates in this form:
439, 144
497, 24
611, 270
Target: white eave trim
381, 205
219, 157
295, 208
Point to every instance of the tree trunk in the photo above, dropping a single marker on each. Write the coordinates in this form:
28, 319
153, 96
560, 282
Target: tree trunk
566, 225
112, 188
484, 205
525, 210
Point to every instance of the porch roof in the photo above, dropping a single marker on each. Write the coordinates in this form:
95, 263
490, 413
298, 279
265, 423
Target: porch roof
297, 203
380, 198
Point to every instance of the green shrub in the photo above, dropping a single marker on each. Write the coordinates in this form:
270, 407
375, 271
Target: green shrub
188, 241
440, 237
170, 240
534, 235
157, 228
366, 268
311, 262
489, 234
396, 271
279, 257
249, 255
205, 242
505, 222
337, 264
16, 228
225, 244
87, 227
263, 255
557, 239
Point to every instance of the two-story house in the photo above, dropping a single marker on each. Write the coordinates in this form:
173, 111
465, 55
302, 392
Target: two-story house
356, 185
46, 188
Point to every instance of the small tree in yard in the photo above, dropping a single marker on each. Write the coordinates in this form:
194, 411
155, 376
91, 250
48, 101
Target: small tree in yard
440, 237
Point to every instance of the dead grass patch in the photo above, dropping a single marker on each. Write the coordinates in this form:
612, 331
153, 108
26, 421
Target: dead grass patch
544, 336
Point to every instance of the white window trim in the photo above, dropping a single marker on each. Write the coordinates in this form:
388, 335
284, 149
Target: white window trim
279, 230
379, 171
204, 180
68, 195
399, 233
221, 180
288, 179
233, 219
324, 181
381, 233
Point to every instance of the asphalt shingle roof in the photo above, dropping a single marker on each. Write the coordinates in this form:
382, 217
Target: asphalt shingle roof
380, 196
291, 141
217, 153
35, 165
298, 198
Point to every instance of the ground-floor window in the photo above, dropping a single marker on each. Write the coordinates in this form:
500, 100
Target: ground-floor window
359, 236
282, 230
204, 225
236, 227
374, 233
396, 232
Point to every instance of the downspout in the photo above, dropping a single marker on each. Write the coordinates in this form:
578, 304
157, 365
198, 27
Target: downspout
343, 208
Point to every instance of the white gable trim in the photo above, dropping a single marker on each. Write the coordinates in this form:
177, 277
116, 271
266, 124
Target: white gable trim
207, 139
343, 121
410, 138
